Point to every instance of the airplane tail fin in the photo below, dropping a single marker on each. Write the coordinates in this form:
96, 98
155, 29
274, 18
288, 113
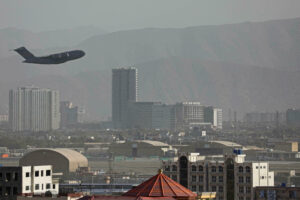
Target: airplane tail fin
24, 53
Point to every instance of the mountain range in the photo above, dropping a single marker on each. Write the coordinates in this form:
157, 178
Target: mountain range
244, 67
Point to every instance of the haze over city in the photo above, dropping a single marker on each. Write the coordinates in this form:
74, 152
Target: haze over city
136, 99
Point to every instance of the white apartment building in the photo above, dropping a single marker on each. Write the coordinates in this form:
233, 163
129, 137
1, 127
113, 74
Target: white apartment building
231, 177
26, 181
218, 118
34, 109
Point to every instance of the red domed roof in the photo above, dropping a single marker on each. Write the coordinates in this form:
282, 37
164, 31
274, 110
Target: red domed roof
160, 186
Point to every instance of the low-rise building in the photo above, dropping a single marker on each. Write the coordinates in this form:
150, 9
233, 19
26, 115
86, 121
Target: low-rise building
231, 178
26, 180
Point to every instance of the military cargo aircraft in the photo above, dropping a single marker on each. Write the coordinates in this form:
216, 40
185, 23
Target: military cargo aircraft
50, 59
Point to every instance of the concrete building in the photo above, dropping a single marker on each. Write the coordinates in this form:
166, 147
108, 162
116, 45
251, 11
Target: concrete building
68, 113
218, 118
188, 114
163, 116
124, 90
26, 180
259, 119
63, 160
34, 109
231, 178
140, 115
214, 116
151, 115
208, 112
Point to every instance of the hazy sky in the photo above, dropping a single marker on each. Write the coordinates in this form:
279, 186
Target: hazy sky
38, 15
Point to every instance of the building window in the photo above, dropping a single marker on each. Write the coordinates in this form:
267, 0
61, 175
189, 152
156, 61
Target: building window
15, 190
1, 176
48, 186
36, 173
220, 169
194, 188
200, 168
213, 188
241, 189
8, 177
27, 188
194, 179
174, 177
167, 168
213, 169
241, 169
241, 179
214, 179
221, 179
174, 168
200, 188
7, 191
48, 172
0, 191
42, 172
262, 177
16, 176
248, 169
221, 189
201, 179
27, 174
37, 187
248, 190
194, 168
248, 179
53, 186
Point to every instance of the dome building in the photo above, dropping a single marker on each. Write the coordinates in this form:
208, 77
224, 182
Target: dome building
62, 160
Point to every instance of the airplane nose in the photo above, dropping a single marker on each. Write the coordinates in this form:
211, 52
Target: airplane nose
82, 53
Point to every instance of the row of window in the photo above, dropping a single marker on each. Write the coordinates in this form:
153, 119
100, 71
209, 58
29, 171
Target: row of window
241, 179
37, 173
213, 188
200, 168
41, 186
242, 190
214, 179
214, 169
261, 167
200, 179
9, 176
168, 168
247, 169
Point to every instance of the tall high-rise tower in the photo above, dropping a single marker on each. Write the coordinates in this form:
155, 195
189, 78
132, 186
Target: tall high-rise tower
124, 91
33, 109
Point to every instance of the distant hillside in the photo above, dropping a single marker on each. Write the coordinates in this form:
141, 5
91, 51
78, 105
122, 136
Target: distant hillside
245, 67
273, 44
226, 85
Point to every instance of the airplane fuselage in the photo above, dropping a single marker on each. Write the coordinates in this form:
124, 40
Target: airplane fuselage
56, 58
